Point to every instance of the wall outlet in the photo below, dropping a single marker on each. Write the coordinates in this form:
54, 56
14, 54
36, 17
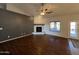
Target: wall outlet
8, 36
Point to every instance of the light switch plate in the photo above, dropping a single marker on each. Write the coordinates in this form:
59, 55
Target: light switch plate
1, 28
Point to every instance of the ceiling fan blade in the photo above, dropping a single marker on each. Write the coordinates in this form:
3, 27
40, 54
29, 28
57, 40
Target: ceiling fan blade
49, 12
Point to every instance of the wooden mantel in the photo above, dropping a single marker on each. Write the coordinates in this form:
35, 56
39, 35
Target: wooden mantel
39, 24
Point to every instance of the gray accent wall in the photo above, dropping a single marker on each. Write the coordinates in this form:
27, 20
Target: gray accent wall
3, 5
14, 24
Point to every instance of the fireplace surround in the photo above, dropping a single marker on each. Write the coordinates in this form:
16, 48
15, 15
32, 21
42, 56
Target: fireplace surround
38, 29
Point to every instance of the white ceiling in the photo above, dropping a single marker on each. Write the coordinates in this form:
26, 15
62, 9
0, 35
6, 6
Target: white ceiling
32, 9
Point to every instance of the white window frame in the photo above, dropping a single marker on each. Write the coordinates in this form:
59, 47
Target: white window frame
55, 24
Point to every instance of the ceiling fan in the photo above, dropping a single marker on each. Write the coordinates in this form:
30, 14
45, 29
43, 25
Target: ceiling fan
45, 11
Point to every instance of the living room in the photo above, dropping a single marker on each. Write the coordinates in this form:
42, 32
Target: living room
39, 28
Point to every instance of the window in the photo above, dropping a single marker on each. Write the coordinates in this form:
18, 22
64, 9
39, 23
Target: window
73, 28
55, 26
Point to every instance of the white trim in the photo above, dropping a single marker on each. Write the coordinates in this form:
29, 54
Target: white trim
38, 33
15, 38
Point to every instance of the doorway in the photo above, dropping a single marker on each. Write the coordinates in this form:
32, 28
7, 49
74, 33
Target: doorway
73, 29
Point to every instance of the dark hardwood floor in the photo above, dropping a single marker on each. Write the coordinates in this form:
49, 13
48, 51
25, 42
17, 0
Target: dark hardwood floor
36, 45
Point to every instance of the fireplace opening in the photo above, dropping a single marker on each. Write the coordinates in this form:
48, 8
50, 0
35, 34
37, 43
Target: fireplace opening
38, 29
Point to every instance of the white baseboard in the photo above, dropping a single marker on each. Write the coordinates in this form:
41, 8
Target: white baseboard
38, 33
15, 38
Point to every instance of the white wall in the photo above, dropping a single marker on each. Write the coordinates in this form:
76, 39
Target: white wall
64, 30
65, 24
40, 20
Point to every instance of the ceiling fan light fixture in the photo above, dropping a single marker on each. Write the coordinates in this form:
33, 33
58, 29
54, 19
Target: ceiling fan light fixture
42, 13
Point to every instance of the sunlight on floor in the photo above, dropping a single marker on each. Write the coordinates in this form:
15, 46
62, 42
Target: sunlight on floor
74, 51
